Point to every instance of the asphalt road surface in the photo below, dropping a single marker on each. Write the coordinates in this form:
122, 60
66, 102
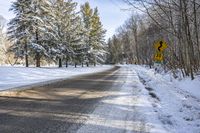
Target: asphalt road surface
96, 103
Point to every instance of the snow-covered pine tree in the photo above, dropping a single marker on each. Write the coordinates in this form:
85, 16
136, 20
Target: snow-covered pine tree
48, 29
27, 29
74, 35
77, 40
98, 38
64, 31
18, 29
37, 30
53, 29
86, 14
95, 33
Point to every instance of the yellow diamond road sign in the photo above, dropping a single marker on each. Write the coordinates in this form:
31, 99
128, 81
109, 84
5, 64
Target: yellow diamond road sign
160, 45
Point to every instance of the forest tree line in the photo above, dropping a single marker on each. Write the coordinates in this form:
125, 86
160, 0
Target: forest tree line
175, 21
55, 31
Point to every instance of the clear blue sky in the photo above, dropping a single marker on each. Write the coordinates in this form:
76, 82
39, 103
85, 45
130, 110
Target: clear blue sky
111, 15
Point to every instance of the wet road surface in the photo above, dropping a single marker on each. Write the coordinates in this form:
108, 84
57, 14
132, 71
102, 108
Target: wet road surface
100, 103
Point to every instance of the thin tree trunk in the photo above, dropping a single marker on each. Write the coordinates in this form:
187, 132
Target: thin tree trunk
59, 62
197, 34
136, 45
37, 59
26, 58
37, 41
26, 55
190, 49
66, 63
75, 65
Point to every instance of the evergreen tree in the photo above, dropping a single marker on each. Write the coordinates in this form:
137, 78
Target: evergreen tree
86, 14
53, 30
98, 38
77, 41
37, 45
17, 30
65, 31
95, 33
27, 29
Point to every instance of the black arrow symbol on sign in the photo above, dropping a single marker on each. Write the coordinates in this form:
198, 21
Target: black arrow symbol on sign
160, 46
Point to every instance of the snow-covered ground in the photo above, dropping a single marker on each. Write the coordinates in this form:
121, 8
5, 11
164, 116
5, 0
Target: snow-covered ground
193, 87
175, 104
12, 77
